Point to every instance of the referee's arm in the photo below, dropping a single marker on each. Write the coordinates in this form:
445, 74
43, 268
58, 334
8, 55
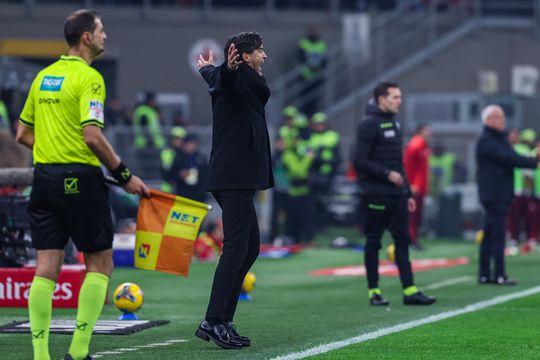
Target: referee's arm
98, 143
25, 135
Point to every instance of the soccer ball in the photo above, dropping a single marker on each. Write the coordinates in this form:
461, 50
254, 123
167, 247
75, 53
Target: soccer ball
391, 252
128, 297
249, 283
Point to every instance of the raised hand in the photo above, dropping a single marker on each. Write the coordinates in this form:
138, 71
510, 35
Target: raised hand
202, 62
233, 59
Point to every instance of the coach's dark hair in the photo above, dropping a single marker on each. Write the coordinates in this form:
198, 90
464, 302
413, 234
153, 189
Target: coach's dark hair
245, 42
77, 23
382, 89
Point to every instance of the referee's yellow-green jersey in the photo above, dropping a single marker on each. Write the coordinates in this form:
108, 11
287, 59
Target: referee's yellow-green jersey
64, 97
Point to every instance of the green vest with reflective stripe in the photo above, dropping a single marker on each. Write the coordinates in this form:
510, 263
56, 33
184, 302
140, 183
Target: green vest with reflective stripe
167, 157
441, 171
314, 51
326, 145
519, 174
288, 134
4, 117
297, 169
152, 125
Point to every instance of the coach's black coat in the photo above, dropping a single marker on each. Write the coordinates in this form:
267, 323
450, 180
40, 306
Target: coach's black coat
379, 150
240, 157
496, 161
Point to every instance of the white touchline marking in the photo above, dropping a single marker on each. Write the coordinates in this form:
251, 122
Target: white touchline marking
448, 282
137, 348
324, 348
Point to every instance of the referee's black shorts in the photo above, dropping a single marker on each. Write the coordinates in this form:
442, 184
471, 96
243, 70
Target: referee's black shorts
70, 201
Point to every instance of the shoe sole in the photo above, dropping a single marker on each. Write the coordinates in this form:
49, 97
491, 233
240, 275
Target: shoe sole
202, 335
420, 304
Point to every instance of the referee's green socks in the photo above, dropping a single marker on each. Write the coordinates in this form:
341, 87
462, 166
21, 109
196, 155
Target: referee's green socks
408, 291
40, 311
91, 300
374, 291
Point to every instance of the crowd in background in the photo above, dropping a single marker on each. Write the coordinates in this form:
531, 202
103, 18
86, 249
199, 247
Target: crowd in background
306, 159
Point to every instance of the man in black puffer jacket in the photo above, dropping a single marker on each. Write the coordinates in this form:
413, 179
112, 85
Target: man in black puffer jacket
495, 175
378, 159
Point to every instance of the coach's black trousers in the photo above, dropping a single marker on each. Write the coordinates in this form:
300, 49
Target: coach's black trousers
241, 246
387, 212
493, 243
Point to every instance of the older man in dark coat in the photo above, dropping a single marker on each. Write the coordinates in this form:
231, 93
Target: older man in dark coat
240, 163
496, 161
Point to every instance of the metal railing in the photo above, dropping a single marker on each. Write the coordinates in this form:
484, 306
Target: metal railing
147, 162
396, 37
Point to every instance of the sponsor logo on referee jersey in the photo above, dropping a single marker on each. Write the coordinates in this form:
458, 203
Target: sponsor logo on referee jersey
95, 110
51, 83
49, 101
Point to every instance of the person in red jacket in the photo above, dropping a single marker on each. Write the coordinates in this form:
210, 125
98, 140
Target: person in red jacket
416, 161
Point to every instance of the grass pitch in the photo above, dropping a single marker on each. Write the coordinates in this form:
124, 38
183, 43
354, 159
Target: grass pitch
293, 311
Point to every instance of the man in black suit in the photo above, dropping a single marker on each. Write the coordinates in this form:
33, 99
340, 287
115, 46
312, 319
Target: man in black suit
240, 163
495, 175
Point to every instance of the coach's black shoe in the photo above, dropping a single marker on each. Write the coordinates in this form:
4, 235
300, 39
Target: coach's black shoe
504, 281
244, 340
378, 300
418, 299
484, 280
218, 334
68, 357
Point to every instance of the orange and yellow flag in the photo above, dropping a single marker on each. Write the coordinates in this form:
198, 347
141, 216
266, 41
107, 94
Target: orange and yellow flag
167, 226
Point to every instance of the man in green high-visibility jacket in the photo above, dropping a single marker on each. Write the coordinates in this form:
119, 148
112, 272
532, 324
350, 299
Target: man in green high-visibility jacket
146, 124
168, 157
325, 143
312, 53
441, 170
297, 163
4, 117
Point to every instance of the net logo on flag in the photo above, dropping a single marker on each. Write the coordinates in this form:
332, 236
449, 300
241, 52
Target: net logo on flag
184, 218
144, 250
167, 225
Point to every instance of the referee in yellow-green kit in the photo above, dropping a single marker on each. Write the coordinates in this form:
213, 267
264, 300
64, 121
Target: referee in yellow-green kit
62, 123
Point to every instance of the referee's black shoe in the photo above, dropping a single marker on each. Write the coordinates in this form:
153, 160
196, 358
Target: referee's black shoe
418, 299
219, 334
68, 357
244, 340
378, 300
